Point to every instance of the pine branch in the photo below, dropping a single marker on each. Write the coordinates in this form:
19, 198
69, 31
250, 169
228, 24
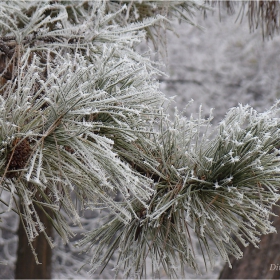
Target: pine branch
216, 188
261, 14
81, 120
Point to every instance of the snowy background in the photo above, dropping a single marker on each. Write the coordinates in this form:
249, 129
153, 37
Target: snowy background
218, 68
222, 66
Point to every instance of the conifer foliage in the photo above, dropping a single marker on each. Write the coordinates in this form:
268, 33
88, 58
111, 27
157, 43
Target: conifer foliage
82, 121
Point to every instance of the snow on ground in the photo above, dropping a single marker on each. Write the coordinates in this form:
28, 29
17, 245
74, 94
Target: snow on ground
219, 67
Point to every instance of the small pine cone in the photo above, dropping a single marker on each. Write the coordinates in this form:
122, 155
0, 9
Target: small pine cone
20, 156
69, 149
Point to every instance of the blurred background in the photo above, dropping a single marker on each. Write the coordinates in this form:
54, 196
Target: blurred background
219, 66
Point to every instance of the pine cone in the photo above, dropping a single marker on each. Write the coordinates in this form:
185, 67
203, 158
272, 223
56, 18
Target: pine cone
20, 156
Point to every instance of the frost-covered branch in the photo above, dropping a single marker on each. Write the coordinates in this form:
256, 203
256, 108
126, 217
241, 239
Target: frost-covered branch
82, 126
71, 110
217, 188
